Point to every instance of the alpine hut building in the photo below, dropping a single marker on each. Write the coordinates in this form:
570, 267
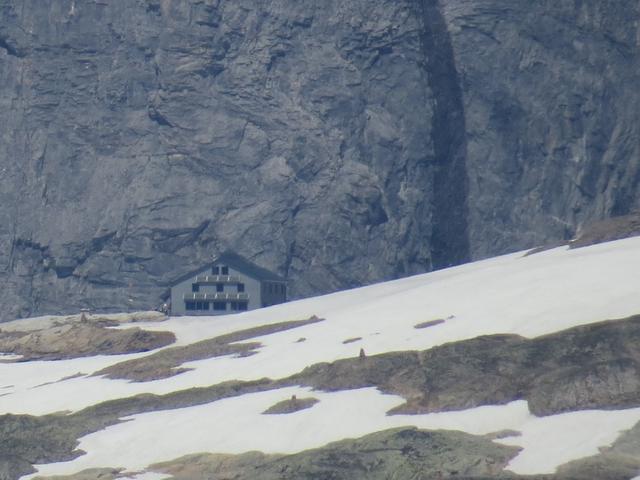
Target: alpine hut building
229, 284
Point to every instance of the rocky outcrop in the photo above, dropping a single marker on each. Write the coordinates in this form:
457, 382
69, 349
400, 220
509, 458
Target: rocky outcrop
588, 367
608, 230
291, 406
337, 143
401, 453
76, 339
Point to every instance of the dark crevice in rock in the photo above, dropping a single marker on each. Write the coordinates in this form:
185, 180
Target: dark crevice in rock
99, 243
449, 240
158, 117
22, 243
64, 271
10, 49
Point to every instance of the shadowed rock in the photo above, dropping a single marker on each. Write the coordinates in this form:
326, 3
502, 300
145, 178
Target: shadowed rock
430, 323
290, 406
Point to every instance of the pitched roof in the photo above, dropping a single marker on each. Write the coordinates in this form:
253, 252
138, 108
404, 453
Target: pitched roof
237, 262
240, 263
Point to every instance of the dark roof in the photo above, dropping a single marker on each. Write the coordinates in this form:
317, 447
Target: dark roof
240, 263
237, 262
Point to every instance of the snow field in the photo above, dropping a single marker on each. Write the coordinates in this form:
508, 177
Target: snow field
237, 425
530, 296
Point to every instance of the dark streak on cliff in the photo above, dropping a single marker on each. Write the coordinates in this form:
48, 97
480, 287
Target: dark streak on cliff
450, 240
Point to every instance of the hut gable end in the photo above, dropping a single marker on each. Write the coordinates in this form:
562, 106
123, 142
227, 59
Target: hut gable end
228, 284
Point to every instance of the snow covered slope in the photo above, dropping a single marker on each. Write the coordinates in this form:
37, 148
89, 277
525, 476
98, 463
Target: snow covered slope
525, 302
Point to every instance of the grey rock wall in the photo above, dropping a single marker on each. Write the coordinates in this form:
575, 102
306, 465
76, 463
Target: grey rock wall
551, 108
337, 143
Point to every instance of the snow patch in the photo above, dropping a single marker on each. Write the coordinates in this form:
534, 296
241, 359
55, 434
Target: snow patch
549, 442
236, 425
9, 356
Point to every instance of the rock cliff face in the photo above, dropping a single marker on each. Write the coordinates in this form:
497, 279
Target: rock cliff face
337, 143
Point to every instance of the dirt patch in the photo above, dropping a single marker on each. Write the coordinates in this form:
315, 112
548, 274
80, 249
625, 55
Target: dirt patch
80, 339
352, 340
166, 363
430, 323
290, 406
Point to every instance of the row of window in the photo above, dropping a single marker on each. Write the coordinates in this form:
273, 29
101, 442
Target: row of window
216, 306
195, 287
274, 288
220, 270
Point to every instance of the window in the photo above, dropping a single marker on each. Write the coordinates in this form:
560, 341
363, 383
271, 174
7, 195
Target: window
240, 287
239, 306
219, 306
195, 287
215, 271
225, 270
219, 287
190, 305
202, 305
